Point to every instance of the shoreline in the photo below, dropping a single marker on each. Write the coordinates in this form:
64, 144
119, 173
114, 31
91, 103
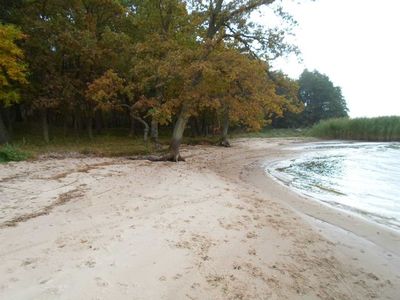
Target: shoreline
386, 237
298, 153
215, 227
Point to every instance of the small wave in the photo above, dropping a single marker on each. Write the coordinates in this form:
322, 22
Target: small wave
359, 177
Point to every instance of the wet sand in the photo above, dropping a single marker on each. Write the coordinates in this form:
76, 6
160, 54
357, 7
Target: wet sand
214, 227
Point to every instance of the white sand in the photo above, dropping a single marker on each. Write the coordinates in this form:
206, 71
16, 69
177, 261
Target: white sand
212, 228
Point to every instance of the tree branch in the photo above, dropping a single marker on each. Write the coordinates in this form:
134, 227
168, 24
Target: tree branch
244, 9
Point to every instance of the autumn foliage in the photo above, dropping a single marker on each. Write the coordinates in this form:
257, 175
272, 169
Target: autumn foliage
169, 63
13, 69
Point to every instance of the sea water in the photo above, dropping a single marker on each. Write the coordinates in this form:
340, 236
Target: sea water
363, 178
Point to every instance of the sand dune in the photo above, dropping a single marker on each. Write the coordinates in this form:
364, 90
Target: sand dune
211, 228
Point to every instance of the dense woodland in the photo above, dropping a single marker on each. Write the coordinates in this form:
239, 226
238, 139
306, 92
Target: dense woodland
151, 65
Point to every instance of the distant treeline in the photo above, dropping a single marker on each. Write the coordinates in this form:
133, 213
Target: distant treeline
367, 129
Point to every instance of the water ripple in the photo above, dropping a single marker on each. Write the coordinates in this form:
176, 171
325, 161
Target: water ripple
360, 177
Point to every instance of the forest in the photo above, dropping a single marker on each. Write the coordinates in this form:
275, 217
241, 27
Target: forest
83, 67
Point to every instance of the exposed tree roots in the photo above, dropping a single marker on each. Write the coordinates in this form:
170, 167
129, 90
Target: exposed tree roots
168, 157
224, 143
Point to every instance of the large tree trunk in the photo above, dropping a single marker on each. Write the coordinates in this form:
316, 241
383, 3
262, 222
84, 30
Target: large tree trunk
3, 131
225, 127
177, 136
154, 133
176, 141
45, 125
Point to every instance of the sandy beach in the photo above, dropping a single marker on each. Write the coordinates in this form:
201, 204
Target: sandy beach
213, 227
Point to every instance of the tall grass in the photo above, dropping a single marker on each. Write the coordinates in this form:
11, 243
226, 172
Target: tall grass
367, 129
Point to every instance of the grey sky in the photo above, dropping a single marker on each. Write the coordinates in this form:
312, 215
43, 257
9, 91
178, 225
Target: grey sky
357, 44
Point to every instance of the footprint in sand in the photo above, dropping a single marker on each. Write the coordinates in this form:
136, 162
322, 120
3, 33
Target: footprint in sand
44, 281
195, 285
100, 282
251, 235
90, 263
236, 266
252, 251
373, 276
29, 262
177, 276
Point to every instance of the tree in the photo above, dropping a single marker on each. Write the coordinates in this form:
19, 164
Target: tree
165, 41
222, 23
322, 100
288, 90
167, 61
110, 91
242, 92
71, 43
13, 71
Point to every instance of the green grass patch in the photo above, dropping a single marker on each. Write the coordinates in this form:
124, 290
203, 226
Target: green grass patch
110, 143
367, 129
28, 142
102, 145
12, 153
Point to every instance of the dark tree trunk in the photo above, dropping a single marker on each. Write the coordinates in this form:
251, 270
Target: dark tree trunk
146, 128
225, 127
3, 131
154, 134
65, 125
98, 121
204, 126
89, 125
132, 127
10, 116
18, 113
198, 126
76, 123
194, 131
177, 135
45, 125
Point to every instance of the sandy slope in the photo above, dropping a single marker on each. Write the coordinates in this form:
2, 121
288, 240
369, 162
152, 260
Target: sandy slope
211, 228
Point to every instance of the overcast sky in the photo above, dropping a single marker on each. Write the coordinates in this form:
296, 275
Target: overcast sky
357, 44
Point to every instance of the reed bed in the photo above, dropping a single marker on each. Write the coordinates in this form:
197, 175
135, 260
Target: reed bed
366, 129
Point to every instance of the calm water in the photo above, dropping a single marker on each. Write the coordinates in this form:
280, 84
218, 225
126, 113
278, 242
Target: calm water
361, 177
